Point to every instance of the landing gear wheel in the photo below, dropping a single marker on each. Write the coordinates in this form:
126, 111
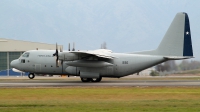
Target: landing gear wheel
85, 79
31, 75
96, 79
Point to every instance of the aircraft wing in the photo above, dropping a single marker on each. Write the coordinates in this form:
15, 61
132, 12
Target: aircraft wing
102, 53
77, 55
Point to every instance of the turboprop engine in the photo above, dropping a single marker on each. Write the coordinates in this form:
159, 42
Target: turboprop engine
67, 56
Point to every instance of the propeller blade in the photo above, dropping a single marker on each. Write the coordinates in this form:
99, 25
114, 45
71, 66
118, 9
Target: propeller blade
57, 57
69, 46
56, 54
73, 47
56, 46
62, 62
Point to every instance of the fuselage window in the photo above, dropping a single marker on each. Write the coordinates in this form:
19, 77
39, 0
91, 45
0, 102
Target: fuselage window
22, 60
26, 54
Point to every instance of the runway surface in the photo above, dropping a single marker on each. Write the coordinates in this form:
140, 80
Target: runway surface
113, 83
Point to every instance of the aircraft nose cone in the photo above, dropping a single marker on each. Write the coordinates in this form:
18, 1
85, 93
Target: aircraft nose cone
14, 63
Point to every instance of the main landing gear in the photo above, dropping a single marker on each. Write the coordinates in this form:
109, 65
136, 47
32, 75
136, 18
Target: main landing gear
31, 75
91, 79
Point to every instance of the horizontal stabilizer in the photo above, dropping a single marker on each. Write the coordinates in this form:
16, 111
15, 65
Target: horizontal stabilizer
177, 57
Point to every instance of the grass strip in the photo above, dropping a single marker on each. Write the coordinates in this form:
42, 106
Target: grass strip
99, 99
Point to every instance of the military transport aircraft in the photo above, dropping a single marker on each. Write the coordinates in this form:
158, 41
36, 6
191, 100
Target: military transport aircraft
92, 65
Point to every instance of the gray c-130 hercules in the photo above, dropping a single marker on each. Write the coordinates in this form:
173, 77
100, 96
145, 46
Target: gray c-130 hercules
95, 64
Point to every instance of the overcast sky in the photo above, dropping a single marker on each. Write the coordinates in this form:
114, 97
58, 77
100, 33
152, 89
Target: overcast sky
125, 25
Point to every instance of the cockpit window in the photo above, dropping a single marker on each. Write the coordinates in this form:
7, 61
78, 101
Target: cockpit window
26, 54
22, 60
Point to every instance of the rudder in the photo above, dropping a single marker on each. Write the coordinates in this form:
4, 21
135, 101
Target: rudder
187, 50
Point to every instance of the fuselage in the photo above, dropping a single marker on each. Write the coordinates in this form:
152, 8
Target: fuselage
43, 62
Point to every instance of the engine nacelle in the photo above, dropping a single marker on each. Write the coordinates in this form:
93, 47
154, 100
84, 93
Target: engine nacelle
67, 56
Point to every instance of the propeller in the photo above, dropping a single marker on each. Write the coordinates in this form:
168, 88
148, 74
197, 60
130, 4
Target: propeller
73, 47
69, 46
61, 50
56, 54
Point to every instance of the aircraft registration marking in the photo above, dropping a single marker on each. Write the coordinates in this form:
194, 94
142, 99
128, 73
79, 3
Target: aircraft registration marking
44, 56
124, 62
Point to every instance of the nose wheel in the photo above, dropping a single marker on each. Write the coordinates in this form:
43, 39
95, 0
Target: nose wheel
31, 75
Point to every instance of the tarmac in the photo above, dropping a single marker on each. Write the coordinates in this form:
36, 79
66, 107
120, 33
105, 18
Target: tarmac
9, 82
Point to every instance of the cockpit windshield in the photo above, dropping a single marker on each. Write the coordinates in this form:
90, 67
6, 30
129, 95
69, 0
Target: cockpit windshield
26, 54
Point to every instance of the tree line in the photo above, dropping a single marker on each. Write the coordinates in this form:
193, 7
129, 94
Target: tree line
182, 66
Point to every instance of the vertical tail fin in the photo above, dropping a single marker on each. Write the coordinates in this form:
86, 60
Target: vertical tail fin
177, 40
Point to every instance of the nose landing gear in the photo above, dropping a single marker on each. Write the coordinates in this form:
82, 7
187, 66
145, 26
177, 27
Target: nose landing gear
31, 75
